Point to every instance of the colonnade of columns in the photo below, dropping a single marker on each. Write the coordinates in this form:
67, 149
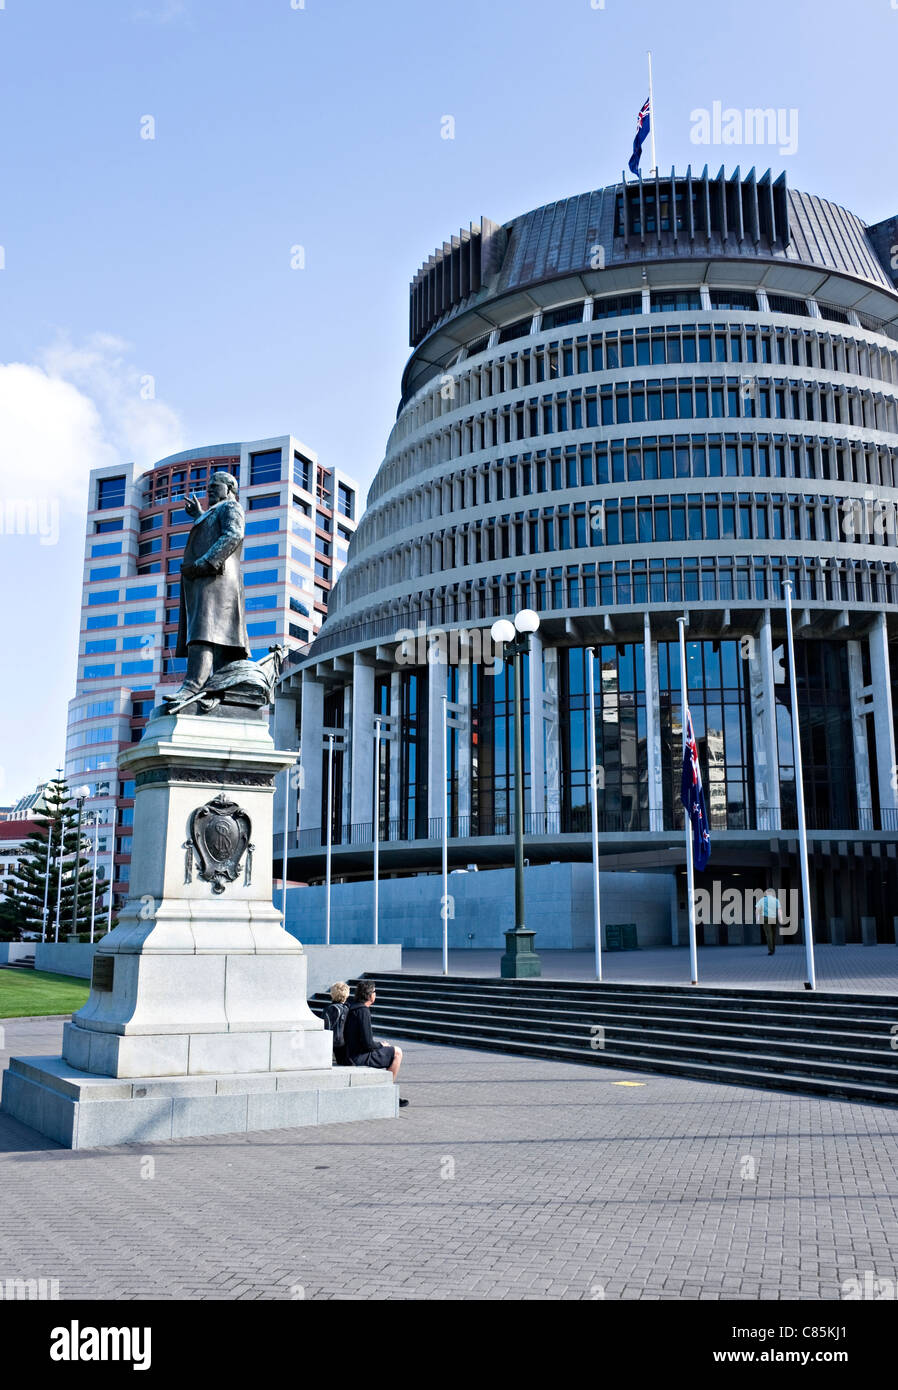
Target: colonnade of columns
766, 668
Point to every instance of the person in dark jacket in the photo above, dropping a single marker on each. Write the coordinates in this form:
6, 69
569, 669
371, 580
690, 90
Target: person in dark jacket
334, 1016
362, 1047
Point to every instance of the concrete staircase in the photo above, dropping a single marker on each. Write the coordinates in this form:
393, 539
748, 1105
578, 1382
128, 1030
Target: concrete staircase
818, 1044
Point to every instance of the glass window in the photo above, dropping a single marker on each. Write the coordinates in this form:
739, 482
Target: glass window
110, 493
269, 499
265, 467
302, 471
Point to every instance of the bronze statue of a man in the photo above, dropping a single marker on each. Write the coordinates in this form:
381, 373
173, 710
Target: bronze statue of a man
212, 622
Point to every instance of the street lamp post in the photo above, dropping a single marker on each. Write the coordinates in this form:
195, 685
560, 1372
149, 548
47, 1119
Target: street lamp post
520, 960
81, 795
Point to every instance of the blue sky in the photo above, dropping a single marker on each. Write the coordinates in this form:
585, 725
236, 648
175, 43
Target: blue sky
321, 127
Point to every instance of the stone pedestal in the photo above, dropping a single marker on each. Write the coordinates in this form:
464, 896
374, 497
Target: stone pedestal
198, 997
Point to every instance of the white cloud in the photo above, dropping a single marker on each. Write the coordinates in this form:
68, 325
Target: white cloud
79, 407
166, 13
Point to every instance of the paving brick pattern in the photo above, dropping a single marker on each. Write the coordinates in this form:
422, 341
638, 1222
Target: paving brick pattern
504, 1179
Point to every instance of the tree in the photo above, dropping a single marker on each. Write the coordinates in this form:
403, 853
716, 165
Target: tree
13, 916
26, 885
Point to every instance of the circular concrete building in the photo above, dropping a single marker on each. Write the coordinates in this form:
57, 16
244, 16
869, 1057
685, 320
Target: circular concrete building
663, 397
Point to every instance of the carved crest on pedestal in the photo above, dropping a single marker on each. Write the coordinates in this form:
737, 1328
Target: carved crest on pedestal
218, 837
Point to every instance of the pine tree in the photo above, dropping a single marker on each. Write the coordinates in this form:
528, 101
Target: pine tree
26, 886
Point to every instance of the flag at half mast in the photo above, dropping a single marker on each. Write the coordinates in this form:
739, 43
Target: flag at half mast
693, 798
643, 126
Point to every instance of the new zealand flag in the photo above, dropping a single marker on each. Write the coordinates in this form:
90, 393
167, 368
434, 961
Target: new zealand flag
643, 126
693, 798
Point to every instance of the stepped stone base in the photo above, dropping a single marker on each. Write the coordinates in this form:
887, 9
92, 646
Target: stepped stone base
80, 1110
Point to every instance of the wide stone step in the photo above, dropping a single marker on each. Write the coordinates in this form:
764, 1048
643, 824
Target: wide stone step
876, 1026
688, 995
785, 1022
838, 1062
739, 1075
839, 1046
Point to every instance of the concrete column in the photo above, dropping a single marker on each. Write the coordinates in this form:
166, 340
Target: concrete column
553, 736
465, 697
763, 706
311, 735
284, 733
394, 745
859, 732
883, 725
362, 739
652, 727
537, 727
348, 700
436, 688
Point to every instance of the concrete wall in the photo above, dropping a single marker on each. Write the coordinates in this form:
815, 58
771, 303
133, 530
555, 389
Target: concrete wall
558, 901
66, 958
15, 950
330, 963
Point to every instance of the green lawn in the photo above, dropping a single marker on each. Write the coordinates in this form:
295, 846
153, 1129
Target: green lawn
28, 992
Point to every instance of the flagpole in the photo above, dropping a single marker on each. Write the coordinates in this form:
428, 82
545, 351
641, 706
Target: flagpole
799, 797
445, 838
590, 656
690, 878
377, 726
652, 118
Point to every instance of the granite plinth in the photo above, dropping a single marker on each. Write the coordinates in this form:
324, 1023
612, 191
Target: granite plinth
80, 1110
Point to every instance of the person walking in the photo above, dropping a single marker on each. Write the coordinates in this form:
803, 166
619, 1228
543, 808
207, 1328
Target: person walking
769, 914
362, 1047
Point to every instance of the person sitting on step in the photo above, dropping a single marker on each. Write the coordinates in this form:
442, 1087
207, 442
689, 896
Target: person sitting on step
335, 1020
362, 1047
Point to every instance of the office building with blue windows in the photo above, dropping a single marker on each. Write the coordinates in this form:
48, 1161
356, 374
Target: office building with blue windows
299, 519
666, 396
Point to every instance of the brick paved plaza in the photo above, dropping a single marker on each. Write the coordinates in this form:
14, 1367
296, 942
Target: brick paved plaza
569, 1182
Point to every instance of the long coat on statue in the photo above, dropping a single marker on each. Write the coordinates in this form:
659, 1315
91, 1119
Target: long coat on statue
212, 608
